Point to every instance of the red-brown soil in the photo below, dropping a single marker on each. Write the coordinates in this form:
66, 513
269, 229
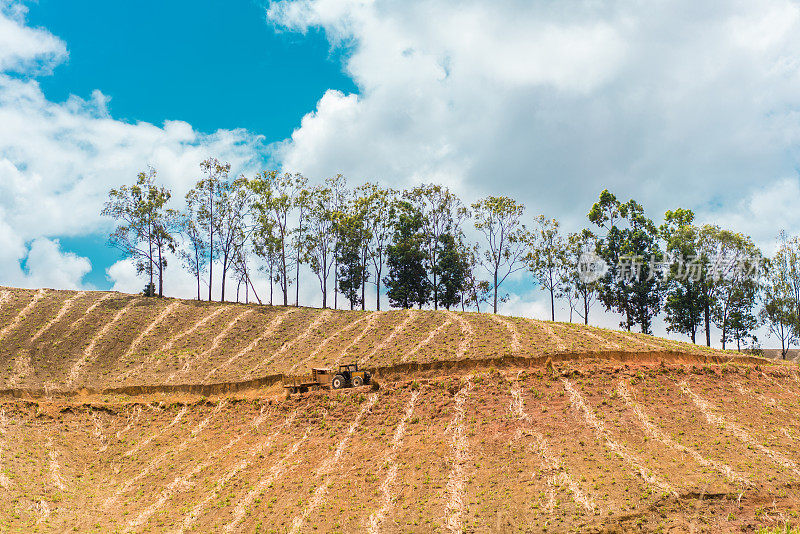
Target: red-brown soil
497, 425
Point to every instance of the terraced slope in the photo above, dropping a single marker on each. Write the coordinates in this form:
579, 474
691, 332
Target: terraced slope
126, 414
64, 340
602, 448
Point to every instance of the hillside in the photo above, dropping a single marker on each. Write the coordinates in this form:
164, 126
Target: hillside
481, 424
64, 340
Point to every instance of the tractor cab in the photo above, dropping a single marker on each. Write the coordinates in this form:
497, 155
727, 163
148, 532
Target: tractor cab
348, 375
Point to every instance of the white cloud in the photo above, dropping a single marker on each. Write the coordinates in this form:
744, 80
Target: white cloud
58, 160
764, 212
46, 265
25, 48
673, 103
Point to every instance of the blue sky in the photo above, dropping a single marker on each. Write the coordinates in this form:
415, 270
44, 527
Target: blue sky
213, 64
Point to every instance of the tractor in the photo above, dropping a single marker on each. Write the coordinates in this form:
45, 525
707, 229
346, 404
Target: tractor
346, 376
349, 376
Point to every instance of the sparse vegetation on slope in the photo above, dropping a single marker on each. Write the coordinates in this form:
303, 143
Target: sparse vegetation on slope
481, 423
67, 340
492, 451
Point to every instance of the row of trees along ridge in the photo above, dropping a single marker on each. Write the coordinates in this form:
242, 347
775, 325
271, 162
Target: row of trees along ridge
412, 245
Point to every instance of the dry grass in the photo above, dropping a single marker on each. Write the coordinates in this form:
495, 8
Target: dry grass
93, 339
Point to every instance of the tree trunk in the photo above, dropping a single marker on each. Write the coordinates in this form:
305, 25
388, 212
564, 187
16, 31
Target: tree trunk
297, 280
285, 281
707, 314
160, 274
211, 241
150, 258
253, 287
783, 344
363, 286
336, 285
224, 275
495, 291
378, 290
585, 310
435, 290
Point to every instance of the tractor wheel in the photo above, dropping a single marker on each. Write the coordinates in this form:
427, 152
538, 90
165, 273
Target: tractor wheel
358, 381
337, 382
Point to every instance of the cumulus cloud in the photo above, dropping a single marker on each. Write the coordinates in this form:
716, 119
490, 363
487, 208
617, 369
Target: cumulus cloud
23, 48
764, 212
45, 264
673, 103
58, 160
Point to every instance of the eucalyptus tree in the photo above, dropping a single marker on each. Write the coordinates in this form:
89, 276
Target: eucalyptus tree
740, 259
452, 267
781, 295
203, 205
580, 287
340, 196
193, 254
685, 299
499, 219
779, 313
407, 282
234, 228
547, 258
352, 239
442, 212
320, 238
145, 229
787, 258
274, 198
300, 202
631, 245
266, 245
709, 245
742, 317
380, 205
